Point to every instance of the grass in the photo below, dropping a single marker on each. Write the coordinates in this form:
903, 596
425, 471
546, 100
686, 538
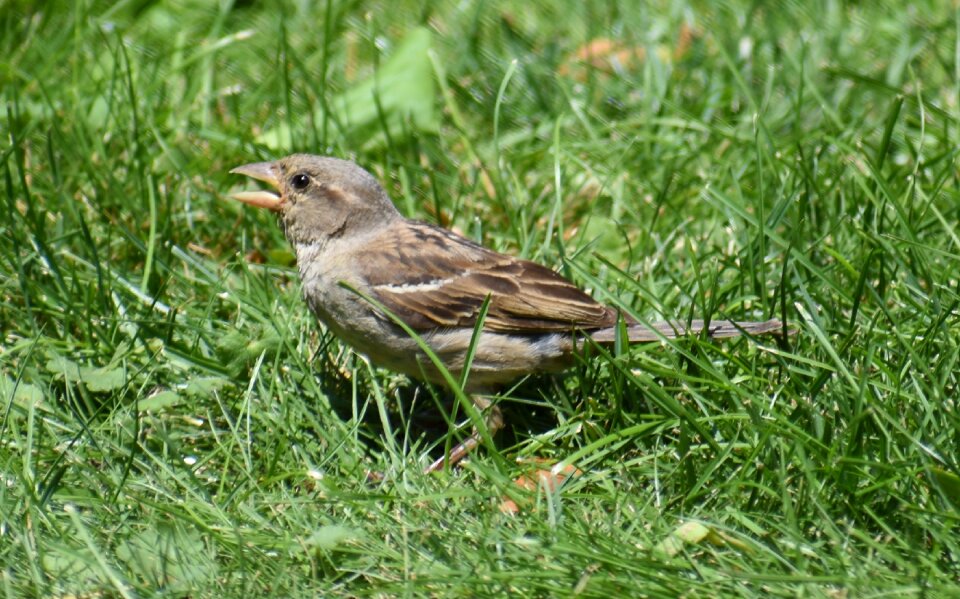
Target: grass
173, 422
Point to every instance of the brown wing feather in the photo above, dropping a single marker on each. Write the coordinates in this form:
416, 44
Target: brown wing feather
434, 278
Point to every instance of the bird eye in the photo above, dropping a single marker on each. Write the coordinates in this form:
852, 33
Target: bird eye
299, 181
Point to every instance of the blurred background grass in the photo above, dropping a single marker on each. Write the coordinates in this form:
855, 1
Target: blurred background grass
173, 421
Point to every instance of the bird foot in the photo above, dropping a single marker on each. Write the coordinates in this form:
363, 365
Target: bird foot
493, 420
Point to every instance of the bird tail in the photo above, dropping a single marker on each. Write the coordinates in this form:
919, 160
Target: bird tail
715, 329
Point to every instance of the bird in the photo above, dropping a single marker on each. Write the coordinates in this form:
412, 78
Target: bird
386, 285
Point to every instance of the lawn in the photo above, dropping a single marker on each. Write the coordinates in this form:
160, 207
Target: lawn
174, 422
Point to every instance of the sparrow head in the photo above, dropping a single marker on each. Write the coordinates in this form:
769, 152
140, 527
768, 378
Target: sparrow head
319, 198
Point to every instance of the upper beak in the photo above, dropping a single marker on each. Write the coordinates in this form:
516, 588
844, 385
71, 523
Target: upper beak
262, 171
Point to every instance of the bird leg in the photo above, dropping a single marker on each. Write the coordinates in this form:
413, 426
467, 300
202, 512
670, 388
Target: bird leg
492, 419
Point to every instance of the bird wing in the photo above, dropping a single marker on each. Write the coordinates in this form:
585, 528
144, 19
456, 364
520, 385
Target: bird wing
432, 278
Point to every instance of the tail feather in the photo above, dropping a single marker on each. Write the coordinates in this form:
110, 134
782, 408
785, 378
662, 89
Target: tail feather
717, 329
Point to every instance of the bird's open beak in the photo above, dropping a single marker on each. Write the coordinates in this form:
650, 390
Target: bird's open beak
262, 171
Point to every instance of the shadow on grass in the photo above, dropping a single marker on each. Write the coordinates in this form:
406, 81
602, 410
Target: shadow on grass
415, 416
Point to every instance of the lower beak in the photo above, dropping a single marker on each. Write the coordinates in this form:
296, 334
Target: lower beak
262, 171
